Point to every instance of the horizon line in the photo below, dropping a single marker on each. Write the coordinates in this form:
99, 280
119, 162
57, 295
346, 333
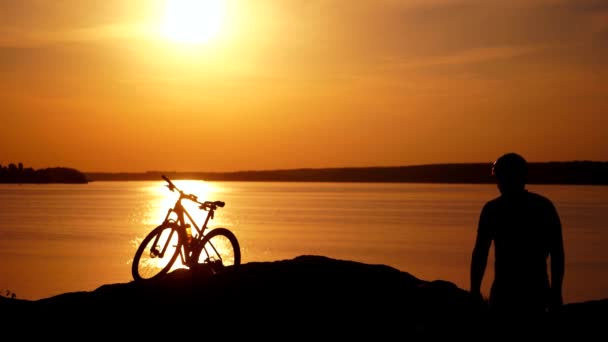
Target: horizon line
341, 167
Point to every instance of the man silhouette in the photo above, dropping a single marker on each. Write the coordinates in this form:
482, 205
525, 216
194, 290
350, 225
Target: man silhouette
526, 231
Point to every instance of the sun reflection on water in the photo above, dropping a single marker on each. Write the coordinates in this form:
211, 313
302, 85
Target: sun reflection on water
165, 199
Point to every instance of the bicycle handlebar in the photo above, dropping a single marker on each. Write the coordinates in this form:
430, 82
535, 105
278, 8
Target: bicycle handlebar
194, 198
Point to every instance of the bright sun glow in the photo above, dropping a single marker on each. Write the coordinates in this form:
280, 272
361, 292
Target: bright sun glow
157, 211
193, 21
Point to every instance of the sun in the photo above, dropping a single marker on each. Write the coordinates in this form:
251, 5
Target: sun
192, 21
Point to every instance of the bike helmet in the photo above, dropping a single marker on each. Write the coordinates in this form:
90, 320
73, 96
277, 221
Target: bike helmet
510, 166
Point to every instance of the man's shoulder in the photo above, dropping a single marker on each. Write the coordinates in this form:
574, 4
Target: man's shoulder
540, 202
528, 196
496, 199
492, 203
534, 196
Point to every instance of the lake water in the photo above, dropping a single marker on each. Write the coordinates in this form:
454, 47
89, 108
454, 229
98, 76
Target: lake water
61, 238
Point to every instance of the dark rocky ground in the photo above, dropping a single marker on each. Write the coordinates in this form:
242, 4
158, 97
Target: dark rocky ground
301, 298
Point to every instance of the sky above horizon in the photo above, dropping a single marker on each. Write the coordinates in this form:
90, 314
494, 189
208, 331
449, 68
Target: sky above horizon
128, 86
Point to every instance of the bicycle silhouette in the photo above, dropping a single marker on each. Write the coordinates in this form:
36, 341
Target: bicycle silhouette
216, 247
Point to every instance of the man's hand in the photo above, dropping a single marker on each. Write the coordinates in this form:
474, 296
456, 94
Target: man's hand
556, 302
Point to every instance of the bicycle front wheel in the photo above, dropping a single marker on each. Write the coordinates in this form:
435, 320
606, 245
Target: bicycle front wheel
220, 248
156, 253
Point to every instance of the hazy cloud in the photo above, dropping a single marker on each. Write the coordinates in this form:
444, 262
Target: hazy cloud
69, 14
39, 22
362, 30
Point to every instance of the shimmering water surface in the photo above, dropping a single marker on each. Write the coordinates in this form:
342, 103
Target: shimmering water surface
61, 238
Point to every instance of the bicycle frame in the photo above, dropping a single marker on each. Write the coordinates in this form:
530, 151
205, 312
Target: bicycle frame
182, 214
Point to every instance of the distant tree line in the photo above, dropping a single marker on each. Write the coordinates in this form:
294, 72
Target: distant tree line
18, 174
571, 172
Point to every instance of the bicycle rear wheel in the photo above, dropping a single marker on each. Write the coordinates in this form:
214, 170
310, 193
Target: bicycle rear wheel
156, 253
220, 248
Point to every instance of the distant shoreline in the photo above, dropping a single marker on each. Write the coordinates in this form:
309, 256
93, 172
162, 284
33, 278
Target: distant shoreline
566, 173
18, 174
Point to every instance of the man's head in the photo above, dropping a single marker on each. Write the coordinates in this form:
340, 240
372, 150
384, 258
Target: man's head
510, 171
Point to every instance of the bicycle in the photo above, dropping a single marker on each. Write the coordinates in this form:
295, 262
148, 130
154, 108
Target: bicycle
158, 251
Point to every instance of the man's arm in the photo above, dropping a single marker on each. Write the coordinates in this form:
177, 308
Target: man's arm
479, 261
557, 254
479, 258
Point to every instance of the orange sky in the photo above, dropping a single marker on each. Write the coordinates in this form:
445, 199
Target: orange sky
94, 85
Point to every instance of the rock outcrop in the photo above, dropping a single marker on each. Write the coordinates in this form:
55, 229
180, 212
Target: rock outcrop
305, 296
